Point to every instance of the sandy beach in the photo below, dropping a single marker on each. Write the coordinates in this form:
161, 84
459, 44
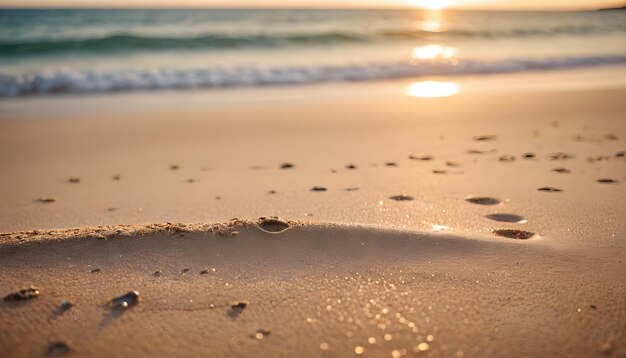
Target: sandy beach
490, 223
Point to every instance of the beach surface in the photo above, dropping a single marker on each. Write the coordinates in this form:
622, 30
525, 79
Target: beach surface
490, 223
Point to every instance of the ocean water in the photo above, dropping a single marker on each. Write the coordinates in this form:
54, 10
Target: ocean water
51, 52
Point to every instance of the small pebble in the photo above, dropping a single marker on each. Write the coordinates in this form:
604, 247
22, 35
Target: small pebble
318, 188
287, 166
549, 189
561, 170
74, 180
401, 197
23, 294
351, 166
125, 301
95, 270
514, 234
57, 349
528, 155
507, 158
174, 167
607, 181
485, 137
46, 200
422, 157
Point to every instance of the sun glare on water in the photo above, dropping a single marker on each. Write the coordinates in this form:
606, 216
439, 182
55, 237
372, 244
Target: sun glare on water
432, 89
432, 4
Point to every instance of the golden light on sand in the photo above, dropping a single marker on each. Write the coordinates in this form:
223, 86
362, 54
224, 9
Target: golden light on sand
433, 52
432, 4
432, 89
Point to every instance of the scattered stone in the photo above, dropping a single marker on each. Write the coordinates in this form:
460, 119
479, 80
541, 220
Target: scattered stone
117, 177
65, 305
318, 188
218, 198
184, 271
174, 167
287, 166
191, 180
157, 273
111, 209
607, 181
561, 170
234, 233
23, 294
204, 272
401, 198
422, 157
598, 158
96, 270
351, 166
483, 200
529, 156
46, 200
57, 349
452, 164
272, 192
439, 172
485, 137
560, 156
272, 224
261, 333
125, 301
476, 151
236, 308
507, 158
549, 189
351, 189
391, 164
620, 154
514, 234
593, 307
74, 180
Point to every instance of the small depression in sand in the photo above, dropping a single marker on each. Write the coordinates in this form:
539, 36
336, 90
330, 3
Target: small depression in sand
483, 200
515, 234
507, 218
273, 225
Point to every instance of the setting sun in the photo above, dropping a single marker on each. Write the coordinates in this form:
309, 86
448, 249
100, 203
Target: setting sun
432, 4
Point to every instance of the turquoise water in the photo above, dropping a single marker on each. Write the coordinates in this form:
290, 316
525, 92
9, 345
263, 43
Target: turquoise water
84, 51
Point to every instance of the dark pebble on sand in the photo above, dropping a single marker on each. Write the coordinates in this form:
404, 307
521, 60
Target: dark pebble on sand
191, 180
401, 198
125, 301
117, 177
514, 234
607, 181
287, 166
74, 180
507, 218
351, 166
273, 224
483, 200
391, 164
507, 158
23, 294
46, 200
157, 273
174, 167
485, 138
439, 172
65, 305
529, 156
549, 189
611, 136
560, 156
452, 164
57, 349
561, 170
318, 188
421, 157
620, 154
272, 192
204, 272
184, 271
351, 189
95, 270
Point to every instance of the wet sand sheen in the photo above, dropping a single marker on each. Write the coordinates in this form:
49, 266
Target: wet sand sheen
334, 285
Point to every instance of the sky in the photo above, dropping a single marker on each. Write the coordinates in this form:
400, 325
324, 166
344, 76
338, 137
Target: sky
463, 4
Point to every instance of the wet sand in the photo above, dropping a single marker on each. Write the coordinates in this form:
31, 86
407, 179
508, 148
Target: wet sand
432, 235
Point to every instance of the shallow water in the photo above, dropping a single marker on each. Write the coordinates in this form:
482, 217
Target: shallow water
84, 51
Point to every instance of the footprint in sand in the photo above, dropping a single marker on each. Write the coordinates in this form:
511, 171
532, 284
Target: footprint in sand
514, 234
507, 218
483, 200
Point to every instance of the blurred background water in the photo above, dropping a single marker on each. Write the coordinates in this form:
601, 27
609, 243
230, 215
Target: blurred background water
86, 51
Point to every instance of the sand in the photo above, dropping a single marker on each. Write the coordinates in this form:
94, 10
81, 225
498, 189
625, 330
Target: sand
392, 259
